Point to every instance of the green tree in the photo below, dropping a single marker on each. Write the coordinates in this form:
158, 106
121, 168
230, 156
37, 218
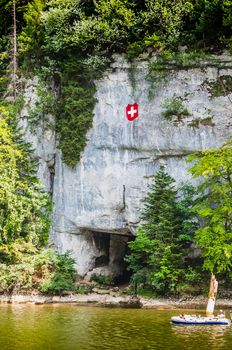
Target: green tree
169, 17
32, 33
207, 15
6, 14
24, 205
23, 267
214, 206
157, 254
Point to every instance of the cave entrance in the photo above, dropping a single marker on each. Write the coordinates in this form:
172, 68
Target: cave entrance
124, 278
102, 244
110, 249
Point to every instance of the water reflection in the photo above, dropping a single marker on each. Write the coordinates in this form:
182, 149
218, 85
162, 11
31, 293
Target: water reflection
212, 335
63, 327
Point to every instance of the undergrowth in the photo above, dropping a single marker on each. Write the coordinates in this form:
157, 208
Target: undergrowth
24, 268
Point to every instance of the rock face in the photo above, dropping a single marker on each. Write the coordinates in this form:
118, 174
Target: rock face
41, 138
98, 203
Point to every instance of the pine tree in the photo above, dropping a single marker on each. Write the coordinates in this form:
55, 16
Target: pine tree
161, 210
157, 254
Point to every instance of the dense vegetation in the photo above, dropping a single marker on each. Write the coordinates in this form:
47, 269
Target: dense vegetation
214, 206
159, 254
69, 43
160, 257
25, 208
24, 205
25, 268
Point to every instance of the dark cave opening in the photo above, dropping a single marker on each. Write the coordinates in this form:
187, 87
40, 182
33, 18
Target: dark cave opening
111, 251
124, 278
102, 243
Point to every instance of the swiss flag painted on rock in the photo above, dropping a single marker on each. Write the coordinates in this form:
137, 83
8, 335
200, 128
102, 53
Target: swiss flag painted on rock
132, 111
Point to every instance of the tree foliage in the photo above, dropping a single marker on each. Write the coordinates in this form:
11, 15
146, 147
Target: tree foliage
158, 253
170, 17
25, 208
32, 34
6, 14
53, 32
24, 205
113, 25
214, 206
24, 268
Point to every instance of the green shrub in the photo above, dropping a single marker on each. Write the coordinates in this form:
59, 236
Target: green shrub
102, 280
63, 275
24, 268
174, 107
134, 50
58, 283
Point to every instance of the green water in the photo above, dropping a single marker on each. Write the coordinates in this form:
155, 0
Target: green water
70, 327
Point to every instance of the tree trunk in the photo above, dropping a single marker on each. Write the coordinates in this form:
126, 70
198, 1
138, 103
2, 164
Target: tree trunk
14, 51
212, 296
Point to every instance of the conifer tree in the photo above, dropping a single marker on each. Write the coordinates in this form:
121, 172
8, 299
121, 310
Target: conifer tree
160, 210
157, 254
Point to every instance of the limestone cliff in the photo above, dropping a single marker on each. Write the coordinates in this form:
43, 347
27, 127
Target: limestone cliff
97, 204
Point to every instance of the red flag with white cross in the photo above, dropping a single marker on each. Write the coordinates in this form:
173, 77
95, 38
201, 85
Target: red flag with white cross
132, 111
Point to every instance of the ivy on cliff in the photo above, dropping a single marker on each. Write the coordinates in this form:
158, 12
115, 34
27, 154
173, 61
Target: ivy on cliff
74, 110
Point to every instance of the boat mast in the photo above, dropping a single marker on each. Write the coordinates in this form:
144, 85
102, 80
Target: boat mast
212, 296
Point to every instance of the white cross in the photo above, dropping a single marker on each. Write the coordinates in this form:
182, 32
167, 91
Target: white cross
132, 112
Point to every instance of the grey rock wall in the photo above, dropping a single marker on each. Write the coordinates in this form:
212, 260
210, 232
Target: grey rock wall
105, 191
41, 138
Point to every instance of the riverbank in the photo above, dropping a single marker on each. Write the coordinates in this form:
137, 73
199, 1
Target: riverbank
115, 300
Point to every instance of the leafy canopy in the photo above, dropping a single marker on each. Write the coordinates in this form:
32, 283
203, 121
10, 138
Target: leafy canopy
24, 206
52, 33
214, 206
25, 268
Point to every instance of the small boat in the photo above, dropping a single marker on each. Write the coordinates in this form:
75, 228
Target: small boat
199, 320
209, 319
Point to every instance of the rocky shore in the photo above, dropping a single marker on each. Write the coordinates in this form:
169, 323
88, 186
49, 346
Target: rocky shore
115, 300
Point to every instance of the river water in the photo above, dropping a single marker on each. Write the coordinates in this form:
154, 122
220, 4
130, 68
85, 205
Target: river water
71, 327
